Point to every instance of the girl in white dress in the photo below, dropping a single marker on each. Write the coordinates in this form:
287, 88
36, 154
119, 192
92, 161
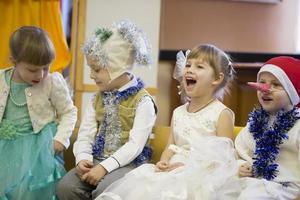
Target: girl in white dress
199, 157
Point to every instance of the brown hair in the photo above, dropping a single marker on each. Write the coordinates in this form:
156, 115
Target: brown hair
219, 61
32, 45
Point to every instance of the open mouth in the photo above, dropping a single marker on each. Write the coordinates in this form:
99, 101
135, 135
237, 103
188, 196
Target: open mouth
266, 99
35, 82
190, 81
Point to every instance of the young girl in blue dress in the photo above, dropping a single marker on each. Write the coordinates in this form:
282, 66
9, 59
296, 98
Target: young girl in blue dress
37, 117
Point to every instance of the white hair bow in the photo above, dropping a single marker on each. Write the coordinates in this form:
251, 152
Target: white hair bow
180, 64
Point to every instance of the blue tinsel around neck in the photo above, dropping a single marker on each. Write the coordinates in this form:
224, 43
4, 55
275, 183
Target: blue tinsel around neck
268, 139
125, 94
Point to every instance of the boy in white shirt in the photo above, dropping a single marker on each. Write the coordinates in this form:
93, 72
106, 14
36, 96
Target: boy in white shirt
119, 119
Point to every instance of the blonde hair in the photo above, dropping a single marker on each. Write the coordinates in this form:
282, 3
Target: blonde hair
32, 45
219, 61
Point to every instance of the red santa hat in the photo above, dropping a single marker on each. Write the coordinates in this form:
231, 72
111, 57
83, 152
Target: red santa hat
287, 71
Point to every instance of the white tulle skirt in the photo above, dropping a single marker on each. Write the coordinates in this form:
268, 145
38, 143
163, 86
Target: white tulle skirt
209, 173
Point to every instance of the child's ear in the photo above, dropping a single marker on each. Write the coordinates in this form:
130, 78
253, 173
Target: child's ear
219, 79
12, 60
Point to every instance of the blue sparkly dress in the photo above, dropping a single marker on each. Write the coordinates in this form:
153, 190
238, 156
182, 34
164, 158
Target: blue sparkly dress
29, 170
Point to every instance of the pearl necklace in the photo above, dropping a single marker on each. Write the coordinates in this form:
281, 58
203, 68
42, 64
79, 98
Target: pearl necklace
11, 95
14, 101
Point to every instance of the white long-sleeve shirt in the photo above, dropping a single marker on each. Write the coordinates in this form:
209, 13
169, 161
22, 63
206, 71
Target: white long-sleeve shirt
144, 120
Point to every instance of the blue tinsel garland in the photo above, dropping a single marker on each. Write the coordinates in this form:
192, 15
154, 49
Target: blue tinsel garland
98, 147
268, 139
121, 96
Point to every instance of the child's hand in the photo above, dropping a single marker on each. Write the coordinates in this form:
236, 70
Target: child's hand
94, 175
175, 165
245, 170
162, 166
58, 147
83, 167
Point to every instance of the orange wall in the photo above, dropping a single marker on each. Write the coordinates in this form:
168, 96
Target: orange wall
232, 26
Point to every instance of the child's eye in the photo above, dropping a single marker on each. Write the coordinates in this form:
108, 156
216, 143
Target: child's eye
95, 70
277, 85
188, 65
31, 70
199, 66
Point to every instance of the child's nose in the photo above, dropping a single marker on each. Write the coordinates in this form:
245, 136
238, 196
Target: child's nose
190, 69
263, 87
92, 76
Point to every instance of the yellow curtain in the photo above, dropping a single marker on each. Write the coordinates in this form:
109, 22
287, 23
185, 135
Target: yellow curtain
43, 13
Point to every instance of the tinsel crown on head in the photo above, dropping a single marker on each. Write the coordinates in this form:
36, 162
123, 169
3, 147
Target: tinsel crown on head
120, 47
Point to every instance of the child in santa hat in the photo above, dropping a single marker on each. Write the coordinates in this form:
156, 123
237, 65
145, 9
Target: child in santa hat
269, 145
119, 117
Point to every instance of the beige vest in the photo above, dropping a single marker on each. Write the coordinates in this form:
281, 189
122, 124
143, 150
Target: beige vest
126, 113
